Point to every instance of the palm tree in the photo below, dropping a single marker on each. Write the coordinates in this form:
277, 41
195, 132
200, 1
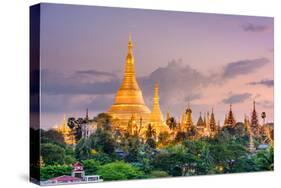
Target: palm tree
171, 122
150, 132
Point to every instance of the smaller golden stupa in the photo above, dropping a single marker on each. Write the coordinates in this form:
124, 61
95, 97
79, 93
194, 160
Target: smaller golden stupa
66, 132
156, 116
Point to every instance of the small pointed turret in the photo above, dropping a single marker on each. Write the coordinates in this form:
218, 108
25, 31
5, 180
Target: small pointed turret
200, 122
254, 118
230, 121
213, 122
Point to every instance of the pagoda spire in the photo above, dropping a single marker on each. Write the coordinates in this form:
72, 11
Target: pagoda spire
230, 117
254, 119
156, 114
212, 121
87, 114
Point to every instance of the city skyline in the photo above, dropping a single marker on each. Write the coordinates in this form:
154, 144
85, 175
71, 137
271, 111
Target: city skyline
208, 60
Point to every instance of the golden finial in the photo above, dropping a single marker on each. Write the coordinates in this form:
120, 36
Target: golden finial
156, 85
130, 37
130, 44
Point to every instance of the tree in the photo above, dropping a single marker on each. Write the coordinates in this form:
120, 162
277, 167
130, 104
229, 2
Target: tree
171, 122
52, 136
150, 132
265, 159
132, 147
48, 172
102, 140
191, 133
52, 154
69, 159
119, 171
83, 150
91, 166
76, 127
104, 121
163, 138
151, 142
227, 154
176, 161
180, 136
102, 158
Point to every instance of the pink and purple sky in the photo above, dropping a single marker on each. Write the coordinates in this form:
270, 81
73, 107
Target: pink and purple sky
211, 60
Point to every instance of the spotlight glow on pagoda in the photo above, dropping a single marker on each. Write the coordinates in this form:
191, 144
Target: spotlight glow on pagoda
129, 104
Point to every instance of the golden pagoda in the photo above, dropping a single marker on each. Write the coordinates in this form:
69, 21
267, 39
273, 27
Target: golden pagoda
156, 117
129, 100
66, 132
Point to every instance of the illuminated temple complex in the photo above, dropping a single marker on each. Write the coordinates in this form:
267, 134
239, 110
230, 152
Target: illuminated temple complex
130, 114
129, 105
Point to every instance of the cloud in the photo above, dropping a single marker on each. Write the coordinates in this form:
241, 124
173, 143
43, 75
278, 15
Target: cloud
96, 73
178, 85
74, 103
265, 82
242, 67
58, 83
237, 98
250, 27
266, 104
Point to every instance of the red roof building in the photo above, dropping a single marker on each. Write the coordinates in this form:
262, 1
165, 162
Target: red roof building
65, 179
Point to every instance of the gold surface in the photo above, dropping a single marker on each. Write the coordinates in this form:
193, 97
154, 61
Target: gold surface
129, 100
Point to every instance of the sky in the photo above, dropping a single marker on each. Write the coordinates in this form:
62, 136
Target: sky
207, 60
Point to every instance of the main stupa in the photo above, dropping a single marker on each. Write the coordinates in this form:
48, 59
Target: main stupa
129, 103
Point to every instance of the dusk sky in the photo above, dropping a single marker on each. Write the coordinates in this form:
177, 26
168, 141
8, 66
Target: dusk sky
211, 60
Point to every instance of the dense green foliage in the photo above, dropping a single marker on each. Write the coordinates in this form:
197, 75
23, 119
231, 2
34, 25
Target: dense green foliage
52, 154
91, 166
119, 171
54, 171
117, 156
52, 136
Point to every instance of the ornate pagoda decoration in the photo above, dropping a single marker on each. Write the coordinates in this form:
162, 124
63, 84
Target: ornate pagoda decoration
254, 120
230, 120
